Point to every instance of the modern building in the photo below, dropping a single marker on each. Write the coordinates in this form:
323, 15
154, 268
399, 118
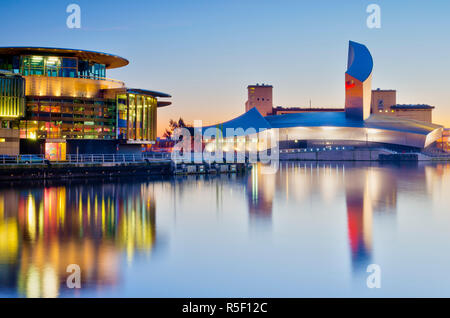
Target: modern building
382, 100
260, 97
68, 105
355, 126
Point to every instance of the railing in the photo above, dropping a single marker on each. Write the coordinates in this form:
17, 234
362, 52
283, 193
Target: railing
315, 149
84, 158
91, 77
116, 158
98, 78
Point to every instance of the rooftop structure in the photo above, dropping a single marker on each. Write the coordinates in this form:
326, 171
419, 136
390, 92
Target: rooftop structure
260, 97
411, 106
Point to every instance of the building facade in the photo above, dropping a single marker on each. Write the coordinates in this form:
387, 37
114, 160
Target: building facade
444, 142
382, 100
70, 106
419, 112
12, 107
260, 97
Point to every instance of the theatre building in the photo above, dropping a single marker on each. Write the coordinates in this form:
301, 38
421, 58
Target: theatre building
60, 101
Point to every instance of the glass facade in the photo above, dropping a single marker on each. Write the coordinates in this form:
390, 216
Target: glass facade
60, 67
87, 70
68, 118
12, 96
114, 113
136, 117
10, 63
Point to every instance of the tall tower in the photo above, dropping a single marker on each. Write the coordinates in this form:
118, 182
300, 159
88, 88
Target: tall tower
260, 96
358, 82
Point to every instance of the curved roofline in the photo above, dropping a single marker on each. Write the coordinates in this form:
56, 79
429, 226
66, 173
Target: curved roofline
338, 119
140, 91
163, 104
250, 119
110, 60
360, 61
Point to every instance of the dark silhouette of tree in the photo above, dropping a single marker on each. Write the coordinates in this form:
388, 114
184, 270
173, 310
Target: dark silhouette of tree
174, 125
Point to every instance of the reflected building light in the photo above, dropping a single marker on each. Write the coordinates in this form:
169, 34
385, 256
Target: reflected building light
9, 240
32, 283
50, 283
359, 214
127, 226
31, 217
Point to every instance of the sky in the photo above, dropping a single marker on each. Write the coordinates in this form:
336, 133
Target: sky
206, 52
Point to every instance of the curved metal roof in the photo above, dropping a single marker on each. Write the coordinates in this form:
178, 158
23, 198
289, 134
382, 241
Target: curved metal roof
253, 119
338, 119
250, 119
110, 60
360, 62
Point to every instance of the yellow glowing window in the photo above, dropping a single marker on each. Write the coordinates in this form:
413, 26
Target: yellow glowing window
2, 140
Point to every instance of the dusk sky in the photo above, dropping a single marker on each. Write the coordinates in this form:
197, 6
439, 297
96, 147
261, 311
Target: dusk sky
205, 53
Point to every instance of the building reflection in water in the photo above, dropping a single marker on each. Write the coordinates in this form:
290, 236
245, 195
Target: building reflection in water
44, 230
368, 191
260, 191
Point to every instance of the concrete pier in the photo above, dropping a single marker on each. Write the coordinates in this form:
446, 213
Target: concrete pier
209, 168
17, 172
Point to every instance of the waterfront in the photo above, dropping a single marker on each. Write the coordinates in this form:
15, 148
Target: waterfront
309, 230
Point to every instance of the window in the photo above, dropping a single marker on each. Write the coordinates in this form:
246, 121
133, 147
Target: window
52, 66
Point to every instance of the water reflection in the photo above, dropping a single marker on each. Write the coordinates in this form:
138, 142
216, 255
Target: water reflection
312, 215
44, 230
260, 191
367, 190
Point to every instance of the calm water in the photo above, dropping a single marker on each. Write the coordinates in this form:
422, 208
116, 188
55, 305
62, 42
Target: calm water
309, 230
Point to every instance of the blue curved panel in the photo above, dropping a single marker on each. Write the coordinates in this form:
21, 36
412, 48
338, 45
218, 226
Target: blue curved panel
360, 62
250, 119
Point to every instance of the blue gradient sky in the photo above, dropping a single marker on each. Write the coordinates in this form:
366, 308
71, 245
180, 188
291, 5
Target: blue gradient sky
205, 53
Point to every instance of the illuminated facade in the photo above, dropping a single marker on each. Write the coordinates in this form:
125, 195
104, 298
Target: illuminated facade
12, 107
70, 103
444, 142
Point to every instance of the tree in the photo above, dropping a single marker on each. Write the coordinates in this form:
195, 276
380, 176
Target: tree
174, 125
